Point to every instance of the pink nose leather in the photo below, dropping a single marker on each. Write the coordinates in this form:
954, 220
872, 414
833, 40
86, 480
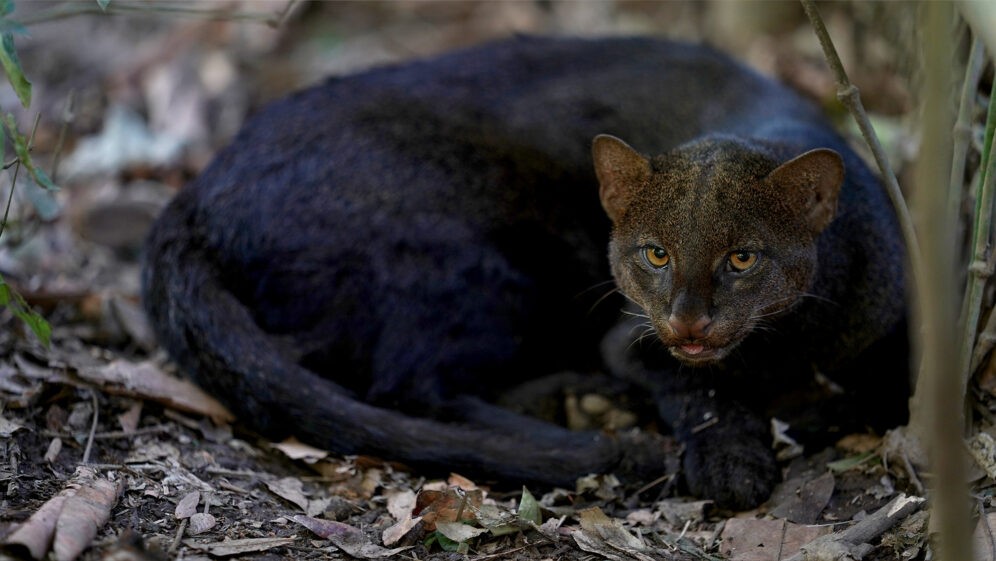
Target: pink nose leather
696, 330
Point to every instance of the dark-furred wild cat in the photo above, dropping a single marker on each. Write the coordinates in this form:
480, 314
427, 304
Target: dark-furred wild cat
374, 259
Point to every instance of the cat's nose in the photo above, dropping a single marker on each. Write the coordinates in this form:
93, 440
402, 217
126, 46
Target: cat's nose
697, 329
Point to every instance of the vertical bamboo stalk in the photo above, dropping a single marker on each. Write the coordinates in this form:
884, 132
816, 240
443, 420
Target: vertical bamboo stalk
940, 390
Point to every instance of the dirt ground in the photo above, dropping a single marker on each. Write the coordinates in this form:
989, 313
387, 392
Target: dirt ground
141, 466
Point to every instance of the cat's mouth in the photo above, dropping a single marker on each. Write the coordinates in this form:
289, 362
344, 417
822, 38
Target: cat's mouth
699, 353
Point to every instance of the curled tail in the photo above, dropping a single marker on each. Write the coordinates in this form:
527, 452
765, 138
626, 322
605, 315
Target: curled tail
215, 339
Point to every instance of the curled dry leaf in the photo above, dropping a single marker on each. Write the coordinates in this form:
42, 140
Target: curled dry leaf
83, 514
68, 522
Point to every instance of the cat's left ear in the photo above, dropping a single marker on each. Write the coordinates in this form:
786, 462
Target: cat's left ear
814, 178
621, 171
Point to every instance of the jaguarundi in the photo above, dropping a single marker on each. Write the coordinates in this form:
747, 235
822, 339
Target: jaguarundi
376, 258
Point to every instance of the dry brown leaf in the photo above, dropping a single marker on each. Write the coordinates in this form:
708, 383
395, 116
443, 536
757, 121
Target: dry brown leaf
148, 381
291, 489
808, 501
187, 505
8, 428
67, 523
83, 514
345, 537
53, 450
130, 418
35, 534
749, 539
400, 503
297, 450
200, 522
607, 537
240, 546
451, 505
399, 529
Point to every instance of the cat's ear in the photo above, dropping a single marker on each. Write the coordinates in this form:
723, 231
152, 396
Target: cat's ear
815, 179
620, 171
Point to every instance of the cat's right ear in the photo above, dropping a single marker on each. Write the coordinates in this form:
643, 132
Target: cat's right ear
620, 171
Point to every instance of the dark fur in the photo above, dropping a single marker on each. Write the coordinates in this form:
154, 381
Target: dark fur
375, 258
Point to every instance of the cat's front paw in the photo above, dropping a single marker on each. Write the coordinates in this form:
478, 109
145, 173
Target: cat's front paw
736, 473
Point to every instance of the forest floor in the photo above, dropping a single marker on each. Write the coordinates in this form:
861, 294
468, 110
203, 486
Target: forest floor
102, 443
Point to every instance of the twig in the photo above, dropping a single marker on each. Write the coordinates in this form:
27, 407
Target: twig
73, 9
979, 270
855, 539
67, 117
848, 94
93, 428
175, 545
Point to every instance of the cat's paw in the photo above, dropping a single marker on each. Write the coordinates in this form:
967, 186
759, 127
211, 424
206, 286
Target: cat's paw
736, 473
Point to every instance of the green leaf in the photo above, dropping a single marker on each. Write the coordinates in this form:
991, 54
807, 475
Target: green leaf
850, 462
19, 307
6, 7
12, 66
40, 192
529, 508
103, 4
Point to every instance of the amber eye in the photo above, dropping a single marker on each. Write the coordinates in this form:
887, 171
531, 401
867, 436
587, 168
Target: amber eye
742, 260
656, 256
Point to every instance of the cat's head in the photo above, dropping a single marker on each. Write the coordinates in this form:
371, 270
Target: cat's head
715, 238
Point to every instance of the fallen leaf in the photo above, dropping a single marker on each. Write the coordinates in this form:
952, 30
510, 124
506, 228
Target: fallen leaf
399, 529
677, 511
83, 514
130, 418
291, 489
457, 480
749, 539
451, 505
240, 546
400, 503
200, 522
607, 537
35, 534
296, 450
53, 450
147, 381
8, 428
529, 509
347, 538
187, 505
982, 448
805, 505
458, 531
985, 549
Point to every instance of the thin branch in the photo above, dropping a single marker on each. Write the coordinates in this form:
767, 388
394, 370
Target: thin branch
73, 9
849, 95
855, 539
979, 269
